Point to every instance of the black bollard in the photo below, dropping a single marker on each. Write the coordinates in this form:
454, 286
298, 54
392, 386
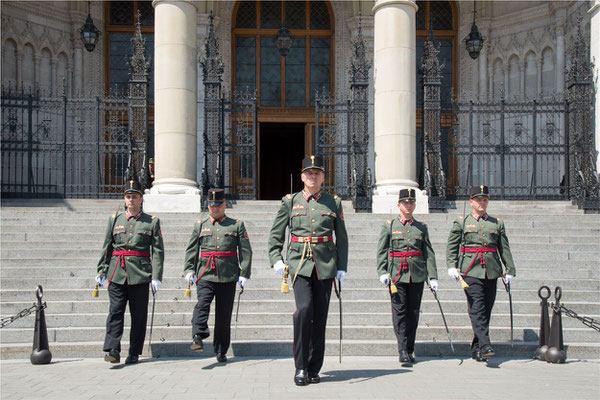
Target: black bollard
556, 353
41, 351
540, 352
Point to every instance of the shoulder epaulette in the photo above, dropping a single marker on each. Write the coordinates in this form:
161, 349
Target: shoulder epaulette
288, 196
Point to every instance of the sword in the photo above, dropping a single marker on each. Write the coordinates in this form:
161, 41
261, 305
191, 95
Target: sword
338, 293
509, 291
152, 319
441, 312
237, 311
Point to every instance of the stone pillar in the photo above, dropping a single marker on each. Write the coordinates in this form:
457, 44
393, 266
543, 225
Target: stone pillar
53, 70
538, 64
175, 188
561, 20
483, 69
78, 70
506, 85
395, 104
595, 55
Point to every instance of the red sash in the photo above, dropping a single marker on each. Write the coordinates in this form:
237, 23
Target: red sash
211, 259
477, 250
403, 261
121, 258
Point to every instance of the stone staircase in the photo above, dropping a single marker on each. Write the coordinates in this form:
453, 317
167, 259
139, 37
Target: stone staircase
56, 243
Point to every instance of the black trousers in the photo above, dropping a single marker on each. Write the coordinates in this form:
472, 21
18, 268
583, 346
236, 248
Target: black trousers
405, 314
481, 296
119, 295
225, 296
310, 320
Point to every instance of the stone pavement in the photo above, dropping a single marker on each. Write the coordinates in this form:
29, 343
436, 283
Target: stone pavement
266, 378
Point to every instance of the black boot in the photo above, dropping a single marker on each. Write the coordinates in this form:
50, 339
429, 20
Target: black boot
300, 378
113, 356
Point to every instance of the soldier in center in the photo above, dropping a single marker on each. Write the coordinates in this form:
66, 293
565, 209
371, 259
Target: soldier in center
218, 255
405, 259
314, 260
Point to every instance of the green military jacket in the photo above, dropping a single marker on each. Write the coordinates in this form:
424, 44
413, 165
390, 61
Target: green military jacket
311, 219
398, 237
141, 234
485, 232
211, 235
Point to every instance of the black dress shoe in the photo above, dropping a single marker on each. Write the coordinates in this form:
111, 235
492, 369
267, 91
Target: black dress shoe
476, 355
113, 356
197, 344
404, 357
300, 378
412, 357
132, 359
221, 357
487, 351
313, 377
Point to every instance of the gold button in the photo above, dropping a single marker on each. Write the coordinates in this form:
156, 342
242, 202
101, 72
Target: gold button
218, 247
313, 209
313, 220
217, 230
128, 258
314, 244
314, 233
218, 238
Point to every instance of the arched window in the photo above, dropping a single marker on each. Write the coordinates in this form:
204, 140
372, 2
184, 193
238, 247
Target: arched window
283, 81
548, 74
498, 88
9, 62
45, 78
514, 78
530, 76
120, 28
28, 68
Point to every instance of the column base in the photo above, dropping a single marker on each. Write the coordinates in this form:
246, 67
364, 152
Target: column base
385, 200
172, 203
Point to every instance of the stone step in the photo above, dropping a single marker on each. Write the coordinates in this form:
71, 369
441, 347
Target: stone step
518, 252
285, 331
267, 279
283, 348
66, 239
286, 304
51, 294
429, 316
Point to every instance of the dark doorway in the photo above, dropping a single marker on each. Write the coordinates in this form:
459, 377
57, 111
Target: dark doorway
281, 153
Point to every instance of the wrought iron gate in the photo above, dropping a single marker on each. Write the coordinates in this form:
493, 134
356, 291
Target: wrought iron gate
342, 134
56, 146
541, 149
230, 131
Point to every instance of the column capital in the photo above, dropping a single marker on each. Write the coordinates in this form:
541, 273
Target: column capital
385, 3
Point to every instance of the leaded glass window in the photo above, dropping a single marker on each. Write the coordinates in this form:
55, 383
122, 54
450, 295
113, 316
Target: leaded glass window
283, 81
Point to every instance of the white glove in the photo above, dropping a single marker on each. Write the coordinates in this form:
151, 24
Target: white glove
100, 279
434, 284
155, 285
385, 279
242, 281
190, 277
340, 275
453, 272
279, 267
509, 278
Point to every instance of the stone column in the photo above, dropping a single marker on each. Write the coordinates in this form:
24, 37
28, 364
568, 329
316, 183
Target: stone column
175, 188
395, 104
538, 64
78, 70
507, 92
483, 69
53, 71
595, 55
523, 66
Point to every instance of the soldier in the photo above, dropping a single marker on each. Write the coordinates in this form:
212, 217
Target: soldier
484, 244
406, 259
314, 260
217, 256
132, 257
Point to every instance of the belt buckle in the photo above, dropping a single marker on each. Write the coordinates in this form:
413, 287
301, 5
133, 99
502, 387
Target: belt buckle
307, 239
